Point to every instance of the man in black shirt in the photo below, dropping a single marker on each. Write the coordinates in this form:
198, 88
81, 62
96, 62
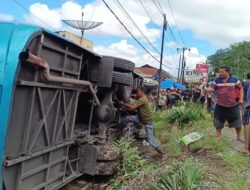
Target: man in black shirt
186, 94
196, 93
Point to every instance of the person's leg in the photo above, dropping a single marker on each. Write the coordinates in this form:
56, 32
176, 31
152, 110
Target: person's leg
245, 120
218, 133
150, 135
212, 107
234, 120
238, 134
246, 138
130, 119
218, 120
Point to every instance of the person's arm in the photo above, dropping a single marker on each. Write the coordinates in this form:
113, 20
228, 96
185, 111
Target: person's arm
248, 97
132, 106
212, 88
239, 86
209, 89
241, 95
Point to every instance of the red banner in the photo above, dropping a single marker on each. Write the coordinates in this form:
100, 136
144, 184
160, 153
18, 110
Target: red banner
202, 68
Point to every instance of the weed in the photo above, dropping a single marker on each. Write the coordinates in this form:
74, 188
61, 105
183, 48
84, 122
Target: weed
240, 182
131, 165
235, 161
185, 114
185, 176
210, 142
174, 146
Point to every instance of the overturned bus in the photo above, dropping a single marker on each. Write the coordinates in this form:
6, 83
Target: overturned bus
59, 110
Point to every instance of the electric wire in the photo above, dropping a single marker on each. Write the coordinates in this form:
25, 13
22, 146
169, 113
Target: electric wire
172, 12
128, 30
158, 7
136, 38
144, 7
18, 3
138, 28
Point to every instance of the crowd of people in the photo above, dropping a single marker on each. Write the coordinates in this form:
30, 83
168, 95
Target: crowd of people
227, 99
170, 97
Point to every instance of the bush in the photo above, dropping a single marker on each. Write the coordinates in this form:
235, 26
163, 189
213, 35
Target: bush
131, 164
185, 114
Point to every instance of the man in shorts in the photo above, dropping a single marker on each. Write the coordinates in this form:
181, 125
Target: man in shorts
227, 109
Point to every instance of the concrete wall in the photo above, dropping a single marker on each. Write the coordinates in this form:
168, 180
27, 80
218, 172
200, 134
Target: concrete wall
77, 39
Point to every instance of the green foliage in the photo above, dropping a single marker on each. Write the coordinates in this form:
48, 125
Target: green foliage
185, 114
174, 146
210, 142
186, 176
236, 57
240, 182
237, 162
131, 164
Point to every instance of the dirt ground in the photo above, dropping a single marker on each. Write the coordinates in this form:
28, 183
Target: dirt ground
217, 173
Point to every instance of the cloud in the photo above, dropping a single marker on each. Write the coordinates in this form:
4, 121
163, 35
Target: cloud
194, 57
44, 16
170, 63
149, 22
219, 22
6, 17
173, 45
120, 49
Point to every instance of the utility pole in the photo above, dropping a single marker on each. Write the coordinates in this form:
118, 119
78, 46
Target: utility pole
182, 64
164, 28
179, 68
183, 70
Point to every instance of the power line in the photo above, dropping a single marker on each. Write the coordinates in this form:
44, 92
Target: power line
129, 31
135, 37
146, 10
172, 34
130, 18
158, 6
18, 3
175, 22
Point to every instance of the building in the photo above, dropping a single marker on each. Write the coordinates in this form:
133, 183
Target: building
153, 73
77, 39
194, 76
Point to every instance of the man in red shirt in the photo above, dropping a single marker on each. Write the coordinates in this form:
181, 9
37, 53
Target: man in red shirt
227, 108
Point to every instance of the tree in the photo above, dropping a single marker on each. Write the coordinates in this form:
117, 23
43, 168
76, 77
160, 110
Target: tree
237, 57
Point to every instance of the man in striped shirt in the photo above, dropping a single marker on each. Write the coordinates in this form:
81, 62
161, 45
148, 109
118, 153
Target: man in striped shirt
227, 109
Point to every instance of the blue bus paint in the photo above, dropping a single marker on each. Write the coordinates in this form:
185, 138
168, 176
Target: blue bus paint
13, 39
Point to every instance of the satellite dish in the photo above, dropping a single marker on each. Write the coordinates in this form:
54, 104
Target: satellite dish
82, 25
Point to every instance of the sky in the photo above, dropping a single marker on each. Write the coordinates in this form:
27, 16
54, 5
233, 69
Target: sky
203, 26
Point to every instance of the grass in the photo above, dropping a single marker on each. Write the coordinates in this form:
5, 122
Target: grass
185, 114
239, 182
210, 142
190, 173
237, 162
131, 165
174, 147
186, 176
